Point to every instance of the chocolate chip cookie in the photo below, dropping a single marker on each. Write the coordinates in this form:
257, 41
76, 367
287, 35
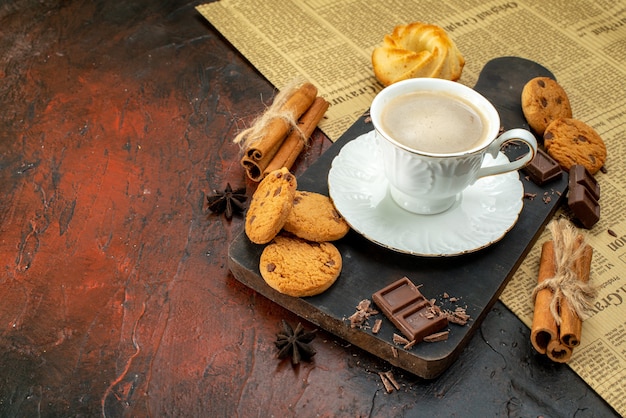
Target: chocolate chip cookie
271, 203
544, 100
298, 267
571, 141
315, 218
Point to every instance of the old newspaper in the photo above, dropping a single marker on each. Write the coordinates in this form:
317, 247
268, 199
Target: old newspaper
583, 42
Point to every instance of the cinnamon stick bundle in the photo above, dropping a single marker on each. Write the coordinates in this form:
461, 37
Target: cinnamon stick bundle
295, 141
277, 137
562, 293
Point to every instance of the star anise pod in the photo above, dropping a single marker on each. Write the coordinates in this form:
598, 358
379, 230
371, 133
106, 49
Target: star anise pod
295, 343
228, 202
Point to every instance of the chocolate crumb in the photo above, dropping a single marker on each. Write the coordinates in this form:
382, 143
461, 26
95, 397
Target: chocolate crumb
612, 233
603, 169
363, 312
392, 379
459, 316
399, 339
546, 198
438, 336
410, 345
386, 382
377, 324
271, 267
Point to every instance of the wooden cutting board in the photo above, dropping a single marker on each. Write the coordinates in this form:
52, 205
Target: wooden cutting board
475, 279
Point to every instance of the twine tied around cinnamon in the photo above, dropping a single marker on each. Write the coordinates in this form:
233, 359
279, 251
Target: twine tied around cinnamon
565, 285
277, 110
280, 134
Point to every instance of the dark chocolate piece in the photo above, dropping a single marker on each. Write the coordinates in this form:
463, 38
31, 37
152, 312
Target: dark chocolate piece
543, 168
583, 196
578, 174
413, 314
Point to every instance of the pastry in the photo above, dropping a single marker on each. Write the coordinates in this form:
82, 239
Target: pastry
271, 203
298, 267
315, 218
571, 141
417, 50
544, 100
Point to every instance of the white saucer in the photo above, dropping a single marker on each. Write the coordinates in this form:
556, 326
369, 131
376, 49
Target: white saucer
482, 215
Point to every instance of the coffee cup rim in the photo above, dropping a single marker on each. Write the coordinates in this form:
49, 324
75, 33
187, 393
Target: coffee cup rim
436, 84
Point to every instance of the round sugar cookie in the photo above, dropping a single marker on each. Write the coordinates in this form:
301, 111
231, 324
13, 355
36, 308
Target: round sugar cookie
270, 205
314, 217
571, 141
298, 267
544, 100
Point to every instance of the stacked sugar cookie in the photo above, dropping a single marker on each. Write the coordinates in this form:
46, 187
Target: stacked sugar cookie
298, 227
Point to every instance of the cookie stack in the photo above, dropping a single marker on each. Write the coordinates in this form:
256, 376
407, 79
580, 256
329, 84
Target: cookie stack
572, 144
297, 226
569, 141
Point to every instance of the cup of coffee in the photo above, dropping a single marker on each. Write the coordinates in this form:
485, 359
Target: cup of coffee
434, 135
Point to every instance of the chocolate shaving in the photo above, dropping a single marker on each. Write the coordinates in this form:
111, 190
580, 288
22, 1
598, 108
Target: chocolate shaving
388, 385
399, 339
389, 382
389, 375
394, 352
410, 345
363, 312
377, 324
458, 316
438, 336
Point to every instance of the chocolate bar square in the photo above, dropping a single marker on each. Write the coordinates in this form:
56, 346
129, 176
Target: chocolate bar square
413, 314
543, 168
584, 192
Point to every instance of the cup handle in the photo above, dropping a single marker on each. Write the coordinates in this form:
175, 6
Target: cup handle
510, 135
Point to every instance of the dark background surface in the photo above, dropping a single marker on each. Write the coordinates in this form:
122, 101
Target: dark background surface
116, 120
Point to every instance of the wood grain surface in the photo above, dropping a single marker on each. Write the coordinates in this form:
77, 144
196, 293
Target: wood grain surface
116, 120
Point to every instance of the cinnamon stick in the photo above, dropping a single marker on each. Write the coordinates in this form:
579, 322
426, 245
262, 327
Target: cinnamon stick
295, 141
571, 324
259, 153
544, 328
559, 352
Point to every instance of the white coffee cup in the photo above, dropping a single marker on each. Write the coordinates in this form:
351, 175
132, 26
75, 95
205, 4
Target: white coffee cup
418, 123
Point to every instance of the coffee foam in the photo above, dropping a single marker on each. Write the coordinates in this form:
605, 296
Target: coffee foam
434, 122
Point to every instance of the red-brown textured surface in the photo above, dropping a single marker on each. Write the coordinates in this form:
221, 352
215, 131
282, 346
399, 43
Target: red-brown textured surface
115, 297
